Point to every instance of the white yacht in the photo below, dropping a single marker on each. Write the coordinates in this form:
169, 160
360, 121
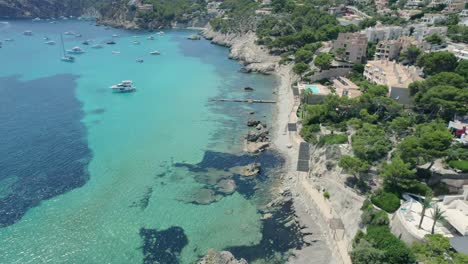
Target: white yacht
50, 42
136, 42
115, 52
75, 50
123, 87
69, 33
115, 36
155, 52
150, 38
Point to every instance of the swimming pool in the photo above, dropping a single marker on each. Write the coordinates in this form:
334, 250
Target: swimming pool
313, 88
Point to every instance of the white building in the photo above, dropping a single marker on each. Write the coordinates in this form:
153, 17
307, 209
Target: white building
433, 18
378, 33
421, 31
455, 209
414, 4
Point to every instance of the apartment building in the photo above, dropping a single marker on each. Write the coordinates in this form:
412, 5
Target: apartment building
350, 47
394, 75
378, 33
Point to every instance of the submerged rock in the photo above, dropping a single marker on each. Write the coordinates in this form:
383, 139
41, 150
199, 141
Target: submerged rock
248, 89
250, 170
226, 186
223, 257
204, 197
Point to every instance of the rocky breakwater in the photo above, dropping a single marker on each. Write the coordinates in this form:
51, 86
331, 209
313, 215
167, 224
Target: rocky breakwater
258, 139
255, 58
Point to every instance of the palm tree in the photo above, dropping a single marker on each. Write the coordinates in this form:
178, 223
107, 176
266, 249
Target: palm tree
426, 203
437, 215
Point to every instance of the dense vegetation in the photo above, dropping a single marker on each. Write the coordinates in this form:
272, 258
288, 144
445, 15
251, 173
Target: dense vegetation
435, 249
378, 244
174, 10
239, 17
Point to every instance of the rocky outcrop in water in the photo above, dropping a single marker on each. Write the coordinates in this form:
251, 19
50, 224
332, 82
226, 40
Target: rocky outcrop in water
220, 257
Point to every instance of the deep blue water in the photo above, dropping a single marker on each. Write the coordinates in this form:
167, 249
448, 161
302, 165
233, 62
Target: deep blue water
42, 143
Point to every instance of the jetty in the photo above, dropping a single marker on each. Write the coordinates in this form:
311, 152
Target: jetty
250, 101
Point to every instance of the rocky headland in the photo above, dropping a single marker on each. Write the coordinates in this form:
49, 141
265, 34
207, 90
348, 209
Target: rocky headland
243, 48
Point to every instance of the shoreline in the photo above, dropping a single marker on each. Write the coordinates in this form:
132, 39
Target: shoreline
311, 210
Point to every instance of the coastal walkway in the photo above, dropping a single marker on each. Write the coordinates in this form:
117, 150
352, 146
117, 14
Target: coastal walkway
335, 231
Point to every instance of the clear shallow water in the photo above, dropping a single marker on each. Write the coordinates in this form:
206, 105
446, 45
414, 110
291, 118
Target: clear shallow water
87, 176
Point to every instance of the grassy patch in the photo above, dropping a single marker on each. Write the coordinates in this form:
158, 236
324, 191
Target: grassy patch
459, 164
333, 139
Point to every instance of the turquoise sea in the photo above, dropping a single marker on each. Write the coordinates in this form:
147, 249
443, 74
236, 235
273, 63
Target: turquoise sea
88, 176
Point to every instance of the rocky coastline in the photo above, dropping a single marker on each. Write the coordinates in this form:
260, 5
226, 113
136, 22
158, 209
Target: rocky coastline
243, 48
311, 209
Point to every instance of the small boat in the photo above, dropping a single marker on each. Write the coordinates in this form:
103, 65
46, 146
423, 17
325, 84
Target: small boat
50, 42
111, 42
155, 52
135, 42
68, 33
106, 28
86, 42
97, 46
160, 33
140, 60
46, 38
75, 50
9, 40
150, 38
115, 52
123, 87
28, 33
67, 58
115, 36
53, 22
78, 35
36, 19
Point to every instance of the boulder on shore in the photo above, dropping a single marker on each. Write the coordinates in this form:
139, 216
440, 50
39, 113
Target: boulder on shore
257, 136
220, 257
253, 122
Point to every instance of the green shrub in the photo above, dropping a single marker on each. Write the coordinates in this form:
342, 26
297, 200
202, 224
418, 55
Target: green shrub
333, 139
459, 164
385, 200
395, 250
419, 188
326, 195
372, 216
380, 218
